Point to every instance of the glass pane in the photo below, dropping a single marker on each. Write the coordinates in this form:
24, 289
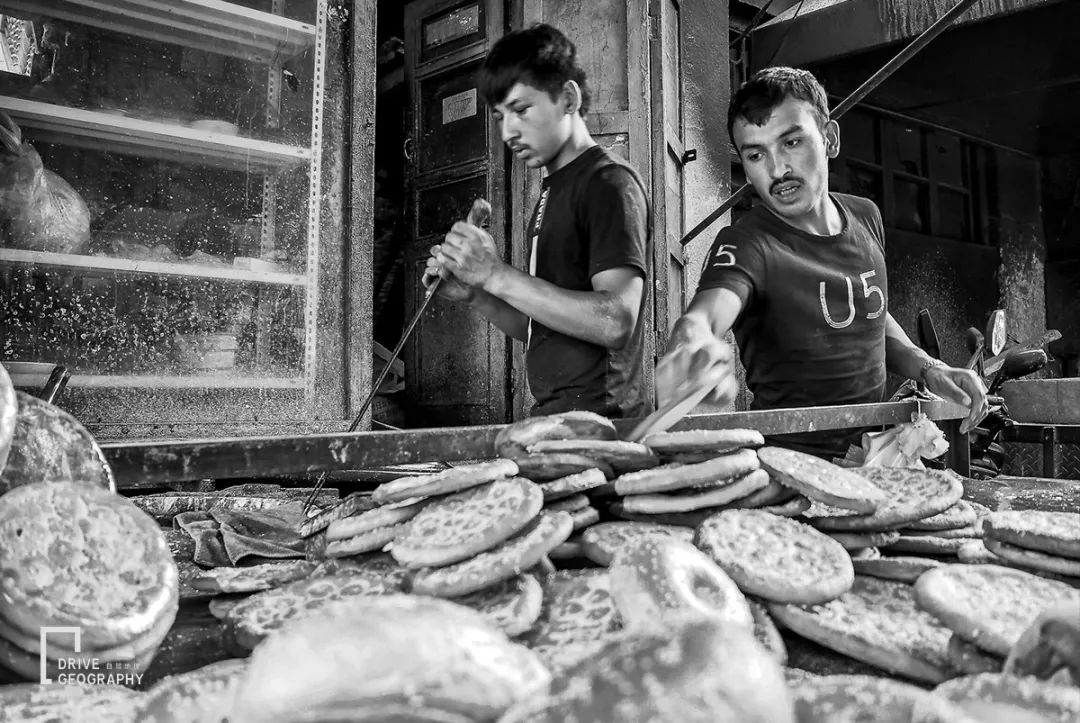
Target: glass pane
954, 215
451, 30
912, 206
452, 126
905, 146
103, 323
864, 182
859, 136
946, 153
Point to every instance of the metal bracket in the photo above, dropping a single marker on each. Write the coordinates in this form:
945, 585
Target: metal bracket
689, 155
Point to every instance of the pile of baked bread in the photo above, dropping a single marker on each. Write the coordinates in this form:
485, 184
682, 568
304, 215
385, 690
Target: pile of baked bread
677, 563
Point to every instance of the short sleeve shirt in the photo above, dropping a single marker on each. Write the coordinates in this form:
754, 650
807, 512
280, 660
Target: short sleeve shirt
812, 329
592, 216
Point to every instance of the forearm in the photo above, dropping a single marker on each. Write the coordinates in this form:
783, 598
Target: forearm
901, 355
511, 321
598, 317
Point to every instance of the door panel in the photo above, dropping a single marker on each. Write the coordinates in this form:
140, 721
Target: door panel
668, 154
455, 361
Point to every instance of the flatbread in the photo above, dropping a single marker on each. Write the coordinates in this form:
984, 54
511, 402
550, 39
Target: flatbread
512, 440
671, 477
221, 605
680, 519
792, 508
969, 659
822, 481
865, 553
52, 703
573, 484
375, 564
766, 632
876, 622
1056, 533
661, 583
901, 569
354, 504
9, 415
194, 696
50, 445
572, 503
392, 514
864, 698
969, 532
572, 549
927, 545
962, 514
988, 605
603, 541
78, 555
455, 479
253, 619
512, 605
772, 494
553, 465
1003, 694
623, 456
578, 618
911, 494
585, 517
859, 540
974, 552
774, 557
703, 440
488, 568
252, 579
465, 524
1033, 558
690, 501
371, 541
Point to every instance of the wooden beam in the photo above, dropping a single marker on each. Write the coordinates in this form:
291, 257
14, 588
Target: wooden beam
153, 464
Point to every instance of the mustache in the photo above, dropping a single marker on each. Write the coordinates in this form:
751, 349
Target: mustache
786, 179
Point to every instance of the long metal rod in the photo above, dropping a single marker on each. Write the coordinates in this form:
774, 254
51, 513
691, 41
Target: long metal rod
156, 463
848, 103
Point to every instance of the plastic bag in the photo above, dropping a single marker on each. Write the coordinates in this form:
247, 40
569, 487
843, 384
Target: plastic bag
905, 445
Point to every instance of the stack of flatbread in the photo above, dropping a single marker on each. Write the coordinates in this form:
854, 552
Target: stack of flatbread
1044, 543
572, 457
84, 558
704, 472
987, 608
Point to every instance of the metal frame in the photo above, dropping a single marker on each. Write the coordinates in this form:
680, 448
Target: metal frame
154, 464
1048, 435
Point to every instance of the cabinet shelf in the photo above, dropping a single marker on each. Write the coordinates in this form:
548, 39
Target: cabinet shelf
104, 131
247, 380
210, 25
155, 268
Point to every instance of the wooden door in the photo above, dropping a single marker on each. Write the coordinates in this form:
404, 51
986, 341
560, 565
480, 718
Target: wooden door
669, 157
456, 370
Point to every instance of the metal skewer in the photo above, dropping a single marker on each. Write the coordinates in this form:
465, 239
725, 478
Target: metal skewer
478, 216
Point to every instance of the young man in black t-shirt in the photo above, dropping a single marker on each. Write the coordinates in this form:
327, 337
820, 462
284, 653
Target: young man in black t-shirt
801, 278
578, 307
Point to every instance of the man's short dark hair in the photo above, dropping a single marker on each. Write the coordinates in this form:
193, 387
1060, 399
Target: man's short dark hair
539, 56
768, 88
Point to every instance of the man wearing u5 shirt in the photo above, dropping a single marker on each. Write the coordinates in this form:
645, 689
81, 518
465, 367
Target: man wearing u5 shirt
800, 279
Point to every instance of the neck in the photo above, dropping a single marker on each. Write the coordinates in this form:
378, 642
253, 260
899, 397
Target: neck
822, 220
578, 142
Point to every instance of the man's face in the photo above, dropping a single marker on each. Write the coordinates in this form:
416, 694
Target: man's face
786, 160
534, 126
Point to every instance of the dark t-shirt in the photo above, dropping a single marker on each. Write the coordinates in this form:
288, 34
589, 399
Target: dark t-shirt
812, 329
592, 216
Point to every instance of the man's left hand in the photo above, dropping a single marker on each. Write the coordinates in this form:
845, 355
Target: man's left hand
962, 386
469, 253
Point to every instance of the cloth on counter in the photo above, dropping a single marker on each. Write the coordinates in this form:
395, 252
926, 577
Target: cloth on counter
229, 538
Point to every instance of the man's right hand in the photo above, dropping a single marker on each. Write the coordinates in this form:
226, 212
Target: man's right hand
450, 289
694, 353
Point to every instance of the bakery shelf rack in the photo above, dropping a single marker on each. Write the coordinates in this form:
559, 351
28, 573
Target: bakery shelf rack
211, 25
105, 131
